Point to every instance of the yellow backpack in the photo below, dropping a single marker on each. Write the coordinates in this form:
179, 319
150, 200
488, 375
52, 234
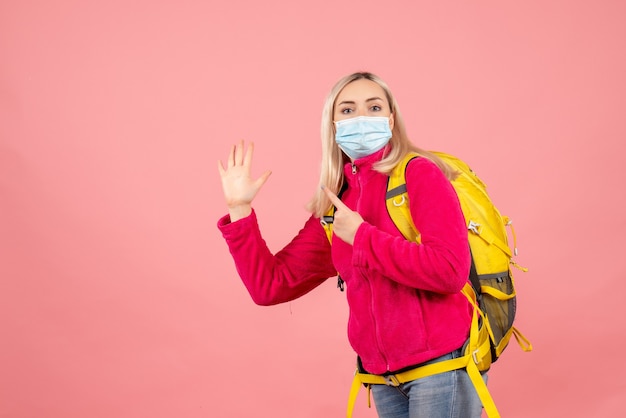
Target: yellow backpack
491, 293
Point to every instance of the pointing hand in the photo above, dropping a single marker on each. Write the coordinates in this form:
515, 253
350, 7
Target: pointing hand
346, 220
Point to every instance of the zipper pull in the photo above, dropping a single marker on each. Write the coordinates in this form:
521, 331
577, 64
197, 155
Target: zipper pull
340, 283
353, 168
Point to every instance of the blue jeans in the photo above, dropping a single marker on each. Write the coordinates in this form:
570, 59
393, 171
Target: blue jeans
444, 395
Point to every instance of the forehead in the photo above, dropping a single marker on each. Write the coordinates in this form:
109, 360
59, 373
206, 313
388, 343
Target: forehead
361, 89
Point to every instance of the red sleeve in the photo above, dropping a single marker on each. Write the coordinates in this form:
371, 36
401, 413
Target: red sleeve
441, 262
294, 271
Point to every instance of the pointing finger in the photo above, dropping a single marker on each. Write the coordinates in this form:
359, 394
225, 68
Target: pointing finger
333, 198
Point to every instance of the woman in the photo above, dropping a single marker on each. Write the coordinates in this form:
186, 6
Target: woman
406, 308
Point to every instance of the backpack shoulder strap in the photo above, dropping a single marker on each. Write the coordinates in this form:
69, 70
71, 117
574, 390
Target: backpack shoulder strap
329, 217
327, 223
397, 199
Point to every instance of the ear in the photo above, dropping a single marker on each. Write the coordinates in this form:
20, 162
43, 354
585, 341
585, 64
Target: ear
391, 121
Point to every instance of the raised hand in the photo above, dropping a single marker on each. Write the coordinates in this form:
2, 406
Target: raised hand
346, 220
239, 188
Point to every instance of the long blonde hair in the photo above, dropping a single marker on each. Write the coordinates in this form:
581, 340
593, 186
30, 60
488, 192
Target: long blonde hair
333, 159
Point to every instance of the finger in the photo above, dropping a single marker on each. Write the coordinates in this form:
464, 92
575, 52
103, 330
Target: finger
220, 168
261, 180
231, 157
248, 157
239, 153
333, 198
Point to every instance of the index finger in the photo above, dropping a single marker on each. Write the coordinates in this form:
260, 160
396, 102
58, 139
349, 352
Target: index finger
247, 159
333, 198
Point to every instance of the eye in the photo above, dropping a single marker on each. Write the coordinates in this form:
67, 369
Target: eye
376, 108
346, 111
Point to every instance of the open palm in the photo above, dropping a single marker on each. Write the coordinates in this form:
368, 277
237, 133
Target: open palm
238, 186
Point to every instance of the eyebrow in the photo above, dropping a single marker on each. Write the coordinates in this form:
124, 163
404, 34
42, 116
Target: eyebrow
352, 102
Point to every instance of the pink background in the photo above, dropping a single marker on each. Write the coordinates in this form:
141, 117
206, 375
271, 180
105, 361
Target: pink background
118, 297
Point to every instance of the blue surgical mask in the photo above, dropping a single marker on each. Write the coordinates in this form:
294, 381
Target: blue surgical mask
363, 135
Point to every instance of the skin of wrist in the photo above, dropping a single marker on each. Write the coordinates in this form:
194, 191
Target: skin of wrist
239, 212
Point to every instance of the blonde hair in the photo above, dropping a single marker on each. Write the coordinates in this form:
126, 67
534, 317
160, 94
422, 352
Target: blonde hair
333, 159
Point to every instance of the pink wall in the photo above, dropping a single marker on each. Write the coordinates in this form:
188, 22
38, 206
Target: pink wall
117, 295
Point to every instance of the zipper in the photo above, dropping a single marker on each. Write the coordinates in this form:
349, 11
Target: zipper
379, 344
340, 281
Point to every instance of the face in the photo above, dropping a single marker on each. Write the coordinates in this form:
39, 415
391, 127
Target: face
362, 97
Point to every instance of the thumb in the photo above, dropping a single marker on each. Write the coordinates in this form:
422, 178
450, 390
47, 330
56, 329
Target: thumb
333, 198
261, 180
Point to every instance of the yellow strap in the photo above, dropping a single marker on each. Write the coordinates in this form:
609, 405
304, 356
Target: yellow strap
492, 239
407, 227
483, 392
472, 368
403, 221
508, 222
498, 294
414, 374
521, 340
328, 227
354, 391
524, 269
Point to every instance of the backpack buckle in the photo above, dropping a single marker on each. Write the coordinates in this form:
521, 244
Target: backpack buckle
399, 203
475, 356
391, 380
474, 227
